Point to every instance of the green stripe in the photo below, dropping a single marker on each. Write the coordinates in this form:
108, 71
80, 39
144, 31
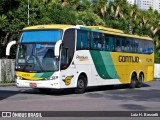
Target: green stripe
38, 75
47, 75
109, 65
43, 75
104, 64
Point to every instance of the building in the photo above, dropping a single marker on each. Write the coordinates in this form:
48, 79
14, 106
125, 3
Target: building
146, 4
132, 2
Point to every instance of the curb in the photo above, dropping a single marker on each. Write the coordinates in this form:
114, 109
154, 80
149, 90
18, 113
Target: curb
7, 84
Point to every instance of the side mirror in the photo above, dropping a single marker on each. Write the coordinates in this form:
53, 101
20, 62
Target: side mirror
57, 48
10, 44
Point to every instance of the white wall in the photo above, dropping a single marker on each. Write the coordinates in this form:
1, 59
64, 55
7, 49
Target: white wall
7, 69
156, 70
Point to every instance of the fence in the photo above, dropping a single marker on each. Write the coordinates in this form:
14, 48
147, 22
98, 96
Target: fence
7, 69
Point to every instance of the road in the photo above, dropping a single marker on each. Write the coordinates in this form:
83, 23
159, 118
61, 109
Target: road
117, 98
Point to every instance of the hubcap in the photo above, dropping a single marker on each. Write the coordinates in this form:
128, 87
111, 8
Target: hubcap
81, 84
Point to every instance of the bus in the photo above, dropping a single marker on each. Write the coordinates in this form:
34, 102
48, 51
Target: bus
76, 56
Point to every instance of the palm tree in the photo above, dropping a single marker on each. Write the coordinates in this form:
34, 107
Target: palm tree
131, 17
117, 8
99, 7
46, 1
73, 3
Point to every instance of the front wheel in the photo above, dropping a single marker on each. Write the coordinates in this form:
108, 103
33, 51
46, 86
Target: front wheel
81, 85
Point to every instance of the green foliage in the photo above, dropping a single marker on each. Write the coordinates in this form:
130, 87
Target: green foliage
89, 18
118, 14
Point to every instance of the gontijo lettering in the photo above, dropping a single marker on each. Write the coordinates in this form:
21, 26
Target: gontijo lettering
134, 59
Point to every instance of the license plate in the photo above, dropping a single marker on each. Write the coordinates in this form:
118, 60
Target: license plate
33, 84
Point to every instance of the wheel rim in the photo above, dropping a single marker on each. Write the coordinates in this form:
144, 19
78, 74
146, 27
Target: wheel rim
133, 83
81, 83
141, 79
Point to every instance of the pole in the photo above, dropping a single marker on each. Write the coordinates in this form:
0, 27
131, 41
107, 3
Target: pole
28, 12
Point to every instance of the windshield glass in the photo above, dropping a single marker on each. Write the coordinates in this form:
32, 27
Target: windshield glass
36, 57
41, 36
36, 50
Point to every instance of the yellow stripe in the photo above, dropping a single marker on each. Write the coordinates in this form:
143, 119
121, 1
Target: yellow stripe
28, 76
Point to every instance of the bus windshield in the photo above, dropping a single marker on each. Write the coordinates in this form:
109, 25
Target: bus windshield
36, 51
36, 57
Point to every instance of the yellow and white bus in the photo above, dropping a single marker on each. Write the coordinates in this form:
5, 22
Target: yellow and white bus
68, 56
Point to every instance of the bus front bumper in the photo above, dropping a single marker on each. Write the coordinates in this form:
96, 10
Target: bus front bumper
38, 84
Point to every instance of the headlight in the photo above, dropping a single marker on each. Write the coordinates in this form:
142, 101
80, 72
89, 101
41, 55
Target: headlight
52, 78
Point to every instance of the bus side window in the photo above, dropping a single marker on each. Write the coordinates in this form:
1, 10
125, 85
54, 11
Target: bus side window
118, 45
78, 39
95, 43
133, 45
92, 40
124, 48
100, 42
95, 36
83, 41
111, 43
106, 43
128, 46
89, 39
136, 46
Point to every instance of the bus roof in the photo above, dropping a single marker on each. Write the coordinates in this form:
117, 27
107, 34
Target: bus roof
54, 26
99, 28
117, 32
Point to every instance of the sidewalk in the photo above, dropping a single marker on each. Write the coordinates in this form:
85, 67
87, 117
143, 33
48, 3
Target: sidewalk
6, 84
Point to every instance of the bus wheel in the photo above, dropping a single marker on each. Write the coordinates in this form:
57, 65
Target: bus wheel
140, 81
81, 85
43, 90
133, 83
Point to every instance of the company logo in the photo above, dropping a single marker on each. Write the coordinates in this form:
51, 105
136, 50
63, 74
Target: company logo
134, 59
67, 80
82, 58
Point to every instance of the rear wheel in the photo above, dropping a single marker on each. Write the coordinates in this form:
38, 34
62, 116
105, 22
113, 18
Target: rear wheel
140, 81
81, 85
133, 83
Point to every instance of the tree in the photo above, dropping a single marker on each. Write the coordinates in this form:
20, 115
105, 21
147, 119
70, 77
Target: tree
100, 7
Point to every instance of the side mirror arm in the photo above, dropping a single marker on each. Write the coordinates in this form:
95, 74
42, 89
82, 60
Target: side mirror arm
57, 48
10, 44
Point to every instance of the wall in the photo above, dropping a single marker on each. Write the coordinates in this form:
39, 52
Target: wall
156, 70
7, 69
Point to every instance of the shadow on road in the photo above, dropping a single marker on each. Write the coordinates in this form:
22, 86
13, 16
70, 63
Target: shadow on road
89, 90
7, 93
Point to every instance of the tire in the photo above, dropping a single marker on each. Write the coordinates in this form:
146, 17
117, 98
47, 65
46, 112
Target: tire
133, 83
44, 90
140, 81
81, 85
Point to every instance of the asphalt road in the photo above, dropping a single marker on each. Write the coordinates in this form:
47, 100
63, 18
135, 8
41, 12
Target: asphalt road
117, 98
